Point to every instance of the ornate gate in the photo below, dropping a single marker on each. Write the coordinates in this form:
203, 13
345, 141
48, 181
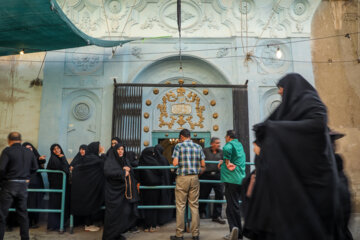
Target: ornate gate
176, 106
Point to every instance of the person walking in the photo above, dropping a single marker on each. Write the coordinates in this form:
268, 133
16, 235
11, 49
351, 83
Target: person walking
213, 153
17, 163
297, 168
232, 174
190, 158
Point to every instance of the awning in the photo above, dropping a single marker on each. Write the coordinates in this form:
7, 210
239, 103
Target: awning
40, 25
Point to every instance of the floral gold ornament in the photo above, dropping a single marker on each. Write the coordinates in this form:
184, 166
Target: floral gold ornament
215, 115
215, 127
146, 115
193, 83
213, 103
195, 134
167, 82
146, 143
181, 81
156, 91
148, 102
146, 129
206, 91
181, 96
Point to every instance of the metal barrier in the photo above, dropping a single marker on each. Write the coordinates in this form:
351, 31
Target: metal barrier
61, 191
187, 216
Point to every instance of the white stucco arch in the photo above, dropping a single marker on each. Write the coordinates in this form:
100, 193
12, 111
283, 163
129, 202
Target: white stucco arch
194, 69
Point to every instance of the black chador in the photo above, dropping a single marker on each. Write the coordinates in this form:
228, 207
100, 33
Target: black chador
35, 199
152, 156
115, 140
344, 213
57, 161
295, 184
78, 159
121, 196
167, 195
87, 188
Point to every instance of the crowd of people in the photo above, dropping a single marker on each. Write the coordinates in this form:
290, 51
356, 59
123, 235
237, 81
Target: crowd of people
298, 189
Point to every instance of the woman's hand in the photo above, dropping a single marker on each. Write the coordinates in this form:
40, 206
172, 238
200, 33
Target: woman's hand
127, 173
71, 168
60, 155
101, 150
126, 169
257, 149
43, 157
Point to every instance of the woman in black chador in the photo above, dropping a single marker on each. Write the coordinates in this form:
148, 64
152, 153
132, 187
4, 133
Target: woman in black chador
57, 161
114, 141
297, 169
121, 194
87, 188
342, 228
36, 182
79, 158
152, 156
166, 195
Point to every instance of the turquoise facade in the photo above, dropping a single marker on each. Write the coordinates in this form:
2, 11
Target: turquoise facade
77, 96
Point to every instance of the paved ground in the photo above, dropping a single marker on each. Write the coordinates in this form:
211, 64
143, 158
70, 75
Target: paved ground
209, 231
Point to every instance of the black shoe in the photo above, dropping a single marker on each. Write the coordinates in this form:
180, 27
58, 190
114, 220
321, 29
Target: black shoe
219, 220
176, 238
134, 230
196, 238
34, 226
122, 237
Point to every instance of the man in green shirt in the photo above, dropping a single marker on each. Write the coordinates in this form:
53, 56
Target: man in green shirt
232, 174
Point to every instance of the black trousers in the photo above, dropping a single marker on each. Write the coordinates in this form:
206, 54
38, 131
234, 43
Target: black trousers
205, 190
14, 192
232, 195
151, 197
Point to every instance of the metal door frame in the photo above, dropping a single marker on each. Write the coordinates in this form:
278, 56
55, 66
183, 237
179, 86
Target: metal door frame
241, 116
175, 134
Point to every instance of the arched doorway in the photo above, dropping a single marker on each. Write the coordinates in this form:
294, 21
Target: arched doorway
161, 100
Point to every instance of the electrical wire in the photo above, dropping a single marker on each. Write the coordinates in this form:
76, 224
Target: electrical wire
198, 50
241, 26
126, 22
42, 64
333, 61
267, 24
106, 19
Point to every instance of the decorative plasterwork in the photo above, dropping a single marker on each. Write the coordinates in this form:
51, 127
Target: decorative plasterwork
191, 16
142, 18
136, 52
244, 9
85, 14
82, 111
222, 52
79, 63
270, 100
177, 107
267, 60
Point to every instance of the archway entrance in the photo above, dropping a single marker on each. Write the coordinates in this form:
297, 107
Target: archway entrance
146, 120
161, 100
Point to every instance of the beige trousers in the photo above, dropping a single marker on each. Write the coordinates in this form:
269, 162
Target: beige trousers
187, 189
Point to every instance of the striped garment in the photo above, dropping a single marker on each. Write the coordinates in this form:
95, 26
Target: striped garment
189, 154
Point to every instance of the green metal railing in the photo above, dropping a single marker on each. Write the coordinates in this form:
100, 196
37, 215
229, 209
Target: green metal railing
60, 191
187, 216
